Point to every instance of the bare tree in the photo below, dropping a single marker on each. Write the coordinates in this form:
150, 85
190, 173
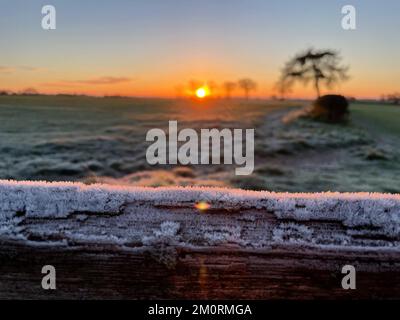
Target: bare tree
247, 85
212, 86
30, 92
394, 98
194, 85
323, 67
282, 88
229, 87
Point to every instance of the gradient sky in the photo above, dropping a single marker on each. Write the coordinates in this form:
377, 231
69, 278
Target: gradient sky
148, 47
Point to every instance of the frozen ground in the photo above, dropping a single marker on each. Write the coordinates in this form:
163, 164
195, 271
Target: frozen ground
103, 140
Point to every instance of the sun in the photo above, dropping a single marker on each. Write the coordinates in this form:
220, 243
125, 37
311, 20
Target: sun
202, 92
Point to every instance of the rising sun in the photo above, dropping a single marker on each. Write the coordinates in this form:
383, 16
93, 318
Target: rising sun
202, 92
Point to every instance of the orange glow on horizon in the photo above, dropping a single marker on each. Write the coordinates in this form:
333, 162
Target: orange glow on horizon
166, 92
154, 87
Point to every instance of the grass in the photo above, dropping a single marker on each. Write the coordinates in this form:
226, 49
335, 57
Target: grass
83, 138
381, 118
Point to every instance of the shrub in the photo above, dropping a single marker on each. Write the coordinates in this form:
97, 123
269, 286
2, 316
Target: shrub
331, 108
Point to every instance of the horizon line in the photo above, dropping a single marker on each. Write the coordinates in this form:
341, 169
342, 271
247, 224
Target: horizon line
268, 98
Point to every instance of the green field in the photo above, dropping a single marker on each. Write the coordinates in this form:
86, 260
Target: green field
383, 118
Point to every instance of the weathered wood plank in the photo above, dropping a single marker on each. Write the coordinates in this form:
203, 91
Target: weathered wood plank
154, 244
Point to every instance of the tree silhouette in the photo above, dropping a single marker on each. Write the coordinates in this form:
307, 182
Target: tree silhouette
229, 86
282, 88
194, 85
30, 92
212, 86
394, 98
323, 67
247, 85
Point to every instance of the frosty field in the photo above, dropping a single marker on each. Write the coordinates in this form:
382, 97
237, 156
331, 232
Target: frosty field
103, 140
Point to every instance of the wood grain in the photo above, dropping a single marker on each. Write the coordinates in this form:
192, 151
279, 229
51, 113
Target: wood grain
156, 250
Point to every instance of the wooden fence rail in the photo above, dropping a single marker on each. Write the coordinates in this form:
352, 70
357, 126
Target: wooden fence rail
141, 243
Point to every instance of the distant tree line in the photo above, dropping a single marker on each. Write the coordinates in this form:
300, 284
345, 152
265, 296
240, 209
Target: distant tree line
25, 92
393, 98
227, 88
247, 85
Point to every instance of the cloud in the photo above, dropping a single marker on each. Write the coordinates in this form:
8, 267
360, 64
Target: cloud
105, 80
94, 81
8, 70
58, 84
29, 68
4, 69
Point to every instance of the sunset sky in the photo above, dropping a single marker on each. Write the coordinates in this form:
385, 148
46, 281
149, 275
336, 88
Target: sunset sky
149, 47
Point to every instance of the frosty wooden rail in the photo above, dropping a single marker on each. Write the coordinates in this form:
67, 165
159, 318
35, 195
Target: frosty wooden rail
118, 242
